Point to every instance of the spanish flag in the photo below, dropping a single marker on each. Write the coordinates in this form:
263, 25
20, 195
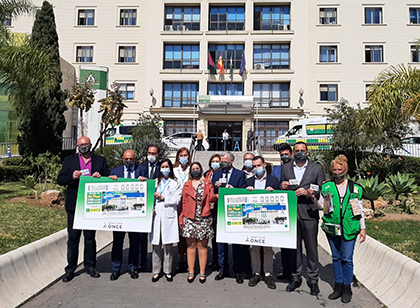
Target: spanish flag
220, 65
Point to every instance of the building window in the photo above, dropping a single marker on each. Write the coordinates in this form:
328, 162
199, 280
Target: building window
177, 94
272, 95
182, 56
374, 53
373, 15
84, 54
328, 54
127, 91
274, 56
267, 131
126, 54
328, 92
182, 18
228, 51
128, 17
414, 15
227, 18
415, 53
173, 127
328, 16
226, 89
7, 22
272, 17
367, 86
86, 17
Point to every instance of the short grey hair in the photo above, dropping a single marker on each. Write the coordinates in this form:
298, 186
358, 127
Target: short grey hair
231, 156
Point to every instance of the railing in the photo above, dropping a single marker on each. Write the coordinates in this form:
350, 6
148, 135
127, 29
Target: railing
69, 143
9, 149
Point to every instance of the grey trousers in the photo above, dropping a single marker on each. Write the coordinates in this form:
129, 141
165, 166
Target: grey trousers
157, 254
256, 259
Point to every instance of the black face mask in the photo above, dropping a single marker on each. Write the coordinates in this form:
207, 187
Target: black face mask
224, 165
196, 174
129, 164
84, 150
300, 156
338, 176
285, 158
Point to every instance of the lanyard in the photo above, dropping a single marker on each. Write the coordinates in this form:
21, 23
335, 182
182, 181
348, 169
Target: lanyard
182, 177
164, 187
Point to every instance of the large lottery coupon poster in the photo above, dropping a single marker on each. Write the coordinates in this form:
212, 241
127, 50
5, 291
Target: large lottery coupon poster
122, 205
257, 217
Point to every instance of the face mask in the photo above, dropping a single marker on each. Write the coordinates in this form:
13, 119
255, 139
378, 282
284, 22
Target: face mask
259, 171
248, 164
224, 165
129, 164
165, 171
84, 150
300, 156
285, 158
151, 159
183, 160
338, 176
215, 166
196, 174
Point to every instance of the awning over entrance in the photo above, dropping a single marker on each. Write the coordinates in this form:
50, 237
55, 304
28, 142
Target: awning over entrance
226, 104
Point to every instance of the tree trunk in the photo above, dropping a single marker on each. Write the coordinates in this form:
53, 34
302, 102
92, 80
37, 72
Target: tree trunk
372, 204
82, 128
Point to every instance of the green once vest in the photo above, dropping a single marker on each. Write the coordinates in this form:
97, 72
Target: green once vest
350, 224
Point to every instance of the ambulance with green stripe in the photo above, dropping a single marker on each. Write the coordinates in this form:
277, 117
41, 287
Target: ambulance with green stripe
120, 134
316, 132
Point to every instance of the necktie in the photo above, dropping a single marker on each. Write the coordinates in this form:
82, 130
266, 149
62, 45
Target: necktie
152, 171
129, 173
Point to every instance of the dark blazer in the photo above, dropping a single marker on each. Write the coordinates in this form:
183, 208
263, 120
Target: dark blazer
144, 170
119, 172
314, 174
237, 179
270, 181
65, 178
276, 172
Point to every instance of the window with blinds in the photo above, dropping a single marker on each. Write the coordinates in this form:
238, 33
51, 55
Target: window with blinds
127, 54
328, 16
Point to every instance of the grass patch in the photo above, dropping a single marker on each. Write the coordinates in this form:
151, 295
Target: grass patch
401, 235
21, 224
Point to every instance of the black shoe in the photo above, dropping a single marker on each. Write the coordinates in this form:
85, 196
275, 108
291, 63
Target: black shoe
190, 277
68, 277
134, 273
169, 278
284, 276
142, 268
93, 272
239, 278
269, 281
296, 283
346, 297
202, 279
220, 276
254, 280
182, 267
338, 291
314, 288
115, 275
156, 277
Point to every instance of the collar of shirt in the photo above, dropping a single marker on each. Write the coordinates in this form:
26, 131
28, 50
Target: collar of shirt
262, 179
126, 171
303, 167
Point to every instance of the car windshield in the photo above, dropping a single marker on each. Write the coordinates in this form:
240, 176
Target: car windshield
126, 130
295, 130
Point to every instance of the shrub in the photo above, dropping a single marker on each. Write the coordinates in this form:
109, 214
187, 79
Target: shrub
408, 206
16, 161
29, 182
372, 189
412, 165
401, 184
14, 173
380, 166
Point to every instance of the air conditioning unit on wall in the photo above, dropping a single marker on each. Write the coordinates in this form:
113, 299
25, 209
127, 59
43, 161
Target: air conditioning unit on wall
169, 28
283, 27
259, 66
181, 28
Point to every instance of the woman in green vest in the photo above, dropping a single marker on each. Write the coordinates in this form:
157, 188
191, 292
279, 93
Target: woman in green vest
343, 221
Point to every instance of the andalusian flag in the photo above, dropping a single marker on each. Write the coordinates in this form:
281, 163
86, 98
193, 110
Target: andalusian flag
213, 70
220, 65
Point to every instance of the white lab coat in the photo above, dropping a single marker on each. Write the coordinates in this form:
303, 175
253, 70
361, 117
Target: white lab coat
165, 221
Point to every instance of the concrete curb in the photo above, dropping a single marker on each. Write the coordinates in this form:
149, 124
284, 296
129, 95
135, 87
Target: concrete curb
28, 269
391, 276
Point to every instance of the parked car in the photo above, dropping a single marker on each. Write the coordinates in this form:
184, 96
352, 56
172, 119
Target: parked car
184, 139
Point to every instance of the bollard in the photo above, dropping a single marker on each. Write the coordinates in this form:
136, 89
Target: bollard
9, 152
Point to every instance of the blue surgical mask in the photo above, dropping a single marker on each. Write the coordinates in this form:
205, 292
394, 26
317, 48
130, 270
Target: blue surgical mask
165, 171
215, 165
259, 171
183, 160
248, 163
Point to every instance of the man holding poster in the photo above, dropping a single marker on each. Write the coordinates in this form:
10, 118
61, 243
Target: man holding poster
261, 180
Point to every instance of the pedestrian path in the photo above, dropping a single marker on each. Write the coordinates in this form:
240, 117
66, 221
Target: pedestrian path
86, 292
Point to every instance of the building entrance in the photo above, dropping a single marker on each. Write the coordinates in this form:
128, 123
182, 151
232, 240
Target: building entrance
215, 131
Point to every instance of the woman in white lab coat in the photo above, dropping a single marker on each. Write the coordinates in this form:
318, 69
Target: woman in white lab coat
165, 221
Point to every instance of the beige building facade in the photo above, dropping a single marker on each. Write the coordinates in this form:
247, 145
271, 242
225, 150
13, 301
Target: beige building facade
301, 57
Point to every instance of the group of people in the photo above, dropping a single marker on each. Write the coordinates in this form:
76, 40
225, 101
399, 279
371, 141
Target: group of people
185, 212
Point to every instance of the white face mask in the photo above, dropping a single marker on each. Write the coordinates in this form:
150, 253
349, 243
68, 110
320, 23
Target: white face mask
151, 159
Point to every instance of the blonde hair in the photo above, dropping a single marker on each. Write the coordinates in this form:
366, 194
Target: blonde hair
342, 161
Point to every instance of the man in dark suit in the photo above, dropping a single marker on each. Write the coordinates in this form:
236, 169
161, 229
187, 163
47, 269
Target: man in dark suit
230, 177
84, 163
285, 156
262, 180
129, 171
305, 178
148, 170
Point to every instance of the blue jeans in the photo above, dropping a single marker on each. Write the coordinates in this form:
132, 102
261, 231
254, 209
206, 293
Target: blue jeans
342, 255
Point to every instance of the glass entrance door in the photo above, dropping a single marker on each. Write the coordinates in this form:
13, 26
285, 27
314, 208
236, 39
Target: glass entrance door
215, 131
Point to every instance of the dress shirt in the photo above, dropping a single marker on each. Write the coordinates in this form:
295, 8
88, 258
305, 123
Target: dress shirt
126, 173
260, 184
299, 171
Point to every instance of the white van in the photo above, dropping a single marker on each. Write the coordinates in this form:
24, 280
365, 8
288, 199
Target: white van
120, 134
316, 132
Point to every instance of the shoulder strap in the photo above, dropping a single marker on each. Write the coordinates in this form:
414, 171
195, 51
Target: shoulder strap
351, 186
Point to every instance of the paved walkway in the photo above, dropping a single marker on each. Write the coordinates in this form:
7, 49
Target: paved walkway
86, 292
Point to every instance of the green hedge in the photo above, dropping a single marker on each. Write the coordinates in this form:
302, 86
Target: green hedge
16, 161
14, 173
412, 166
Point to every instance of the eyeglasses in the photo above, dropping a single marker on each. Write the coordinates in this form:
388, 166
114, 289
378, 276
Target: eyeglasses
84, 145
